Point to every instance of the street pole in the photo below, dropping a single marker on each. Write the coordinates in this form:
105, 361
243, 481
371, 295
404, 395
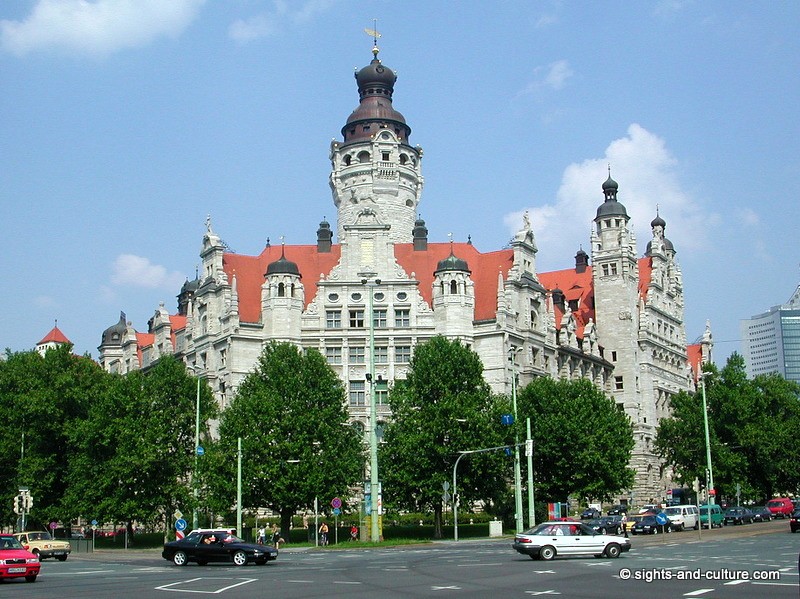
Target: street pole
529, 454
239, 487
195, 519
711, 498
517, 469
373, 415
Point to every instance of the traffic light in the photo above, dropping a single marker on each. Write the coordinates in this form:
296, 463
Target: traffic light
27, 501
18, 504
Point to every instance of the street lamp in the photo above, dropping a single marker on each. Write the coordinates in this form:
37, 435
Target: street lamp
512, 353
711, 497
195, 491
369, 280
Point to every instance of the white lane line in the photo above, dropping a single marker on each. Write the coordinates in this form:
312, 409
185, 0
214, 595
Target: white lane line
166, 587
697, 592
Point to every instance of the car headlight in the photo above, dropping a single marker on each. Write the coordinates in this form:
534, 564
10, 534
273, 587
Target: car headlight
32, 560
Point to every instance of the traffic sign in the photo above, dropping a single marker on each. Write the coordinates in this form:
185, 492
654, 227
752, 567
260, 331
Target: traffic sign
336, 511
94, 522
178, 514
53, 525
336, 503
180, 524
662, 518
200, 450
712, 492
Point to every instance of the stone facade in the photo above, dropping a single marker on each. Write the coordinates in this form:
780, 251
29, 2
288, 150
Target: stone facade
618, 323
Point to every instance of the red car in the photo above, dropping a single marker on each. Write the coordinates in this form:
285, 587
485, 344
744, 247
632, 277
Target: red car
16, 561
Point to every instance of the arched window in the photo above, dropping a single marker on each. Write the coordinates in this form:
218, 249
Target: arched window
347, 160
453, 287
363, 157
281, 290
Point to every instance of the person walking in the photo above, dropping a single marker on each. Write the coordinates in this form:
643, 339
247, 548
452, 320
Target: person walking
277, 539
323, 533
262, 536
625, 523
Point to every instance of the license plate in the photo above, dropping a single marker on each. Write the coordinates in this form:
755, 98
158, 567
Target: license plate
58, 553
15, 570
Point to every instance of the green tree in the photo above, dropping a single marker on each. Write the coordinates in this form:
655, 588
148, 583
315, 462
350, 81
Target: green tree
752, 423
42, 400
443, 407
296, 445
582, 440
136, 448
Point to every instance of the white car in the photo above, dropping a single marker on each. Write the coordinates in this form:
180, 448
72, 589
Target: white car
549, 539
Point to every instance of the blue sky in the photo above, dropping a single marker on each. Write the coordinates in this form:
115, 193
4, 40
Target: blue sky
127, 122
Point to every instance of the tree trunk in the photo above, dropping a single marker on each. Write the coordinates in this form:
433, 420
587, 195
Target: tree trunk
437, 521
286, 523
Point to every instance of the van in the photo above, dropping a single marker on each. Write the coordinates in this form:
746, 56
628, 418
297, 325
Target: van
717, 517
781, 507
683, 516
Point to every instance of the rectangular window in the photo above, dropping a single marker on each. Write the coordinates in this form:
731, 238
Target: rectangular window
333, 319
402, 318
613, 268
356, 355
382, 393
356, 319
333, 355
613, 355
357, 395
379, 319
618, 386
402, 354
605, 270
381, 355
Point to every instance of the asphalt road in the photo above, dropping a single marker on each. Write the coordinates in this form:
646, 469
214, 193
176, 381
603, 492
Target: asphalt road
673, 565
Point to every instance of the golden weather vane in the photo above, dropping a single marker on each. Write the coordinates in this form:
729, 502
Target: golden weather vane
374, 34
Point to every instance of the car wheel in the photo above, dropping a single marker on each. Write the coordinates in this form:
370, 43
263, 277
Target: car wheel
619, 531
30, 578
697, 526
61, 558
240, 558
36, 553
613, 550
179, 559
547, 552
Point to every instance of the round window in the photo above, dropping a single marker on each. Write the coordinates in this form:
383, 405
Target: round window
333, 297
379, 296
356, 297
402, 296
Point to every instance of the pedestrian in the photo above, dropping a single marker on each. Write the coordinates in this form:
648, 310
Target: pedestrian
277, 539
262, 536
323, 534
353, 532
625, 523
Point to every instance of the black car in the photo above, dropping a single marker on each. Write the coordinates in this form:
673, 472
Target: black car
204, 547
794, 521
606, 525
761, 513
617, 510
590, 513
738, 515
648, 525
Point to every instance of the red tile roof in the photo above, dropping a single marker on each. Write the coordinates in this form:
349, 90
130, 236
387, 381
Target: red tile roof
694, 353
576, 286
54, 336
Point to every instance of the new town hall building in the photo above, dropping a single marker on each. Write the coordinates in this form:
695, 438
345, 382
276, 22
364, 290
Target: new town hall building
613, 317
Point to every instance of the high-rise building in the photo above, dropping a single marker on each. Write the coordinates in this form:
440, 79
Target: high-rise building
618, 323
771, 340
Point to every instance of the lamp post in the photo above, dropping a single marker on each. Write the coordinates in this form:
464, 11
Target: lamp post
529, 455
239, 487
195, 491
370, 282
517, 473
711, 498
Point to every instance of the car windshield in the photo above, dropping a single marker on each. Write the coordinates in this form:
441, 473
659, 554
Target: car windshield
39, 536
10, 543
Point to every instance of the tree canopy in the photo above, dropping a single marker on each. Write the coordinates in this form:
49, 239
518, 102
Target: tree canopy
753, 425
582, 442
292, 418
443, 407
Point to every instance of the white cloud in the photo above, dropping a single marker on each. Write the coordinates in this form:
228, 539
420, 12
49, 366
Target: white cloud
647, 176
136, 271
553, 76
268, 23
97, 28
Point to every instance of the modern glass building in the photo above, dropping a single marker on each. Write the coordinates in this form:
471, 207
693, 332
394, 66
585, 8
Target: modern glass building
771, 341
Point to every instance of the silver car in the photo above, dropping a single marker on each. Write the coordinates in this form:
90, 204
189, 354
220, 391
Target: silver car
549, 539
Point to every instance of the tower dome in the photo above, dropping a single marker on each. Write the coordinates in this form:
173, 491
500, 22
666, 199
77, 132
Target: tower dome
113, 335
282, 266
451, 263
611, 207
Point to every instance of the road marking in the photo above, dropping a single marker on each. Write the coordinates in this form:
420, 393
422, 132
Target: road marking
166, 587
346, 582
478, 564
448, 588
550, 592
735, 582
697, 592
544, 571
301, 581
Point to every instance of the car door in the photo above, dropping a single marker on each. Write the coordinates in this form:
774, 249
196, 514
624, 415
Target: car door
585, 541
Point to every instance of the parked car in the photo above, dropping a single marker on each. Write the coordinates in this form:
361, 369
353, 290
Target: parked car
617, 510
606, 525
632, 520
717, 516
650, 507
204, 547
761, 513
549, 539
683, 516
16, 561
648, 525
781, 507
738, 515
794, 522
589, 513
41, 543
